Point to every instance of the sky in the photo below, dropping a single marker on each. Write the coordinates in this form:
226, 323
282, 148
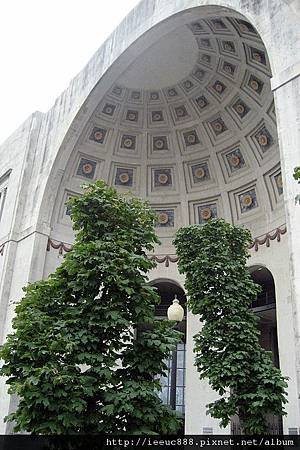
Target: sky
43, 45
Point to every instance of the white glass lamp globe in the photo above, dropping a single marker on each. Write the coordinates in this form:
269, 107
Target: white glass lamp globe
175, 311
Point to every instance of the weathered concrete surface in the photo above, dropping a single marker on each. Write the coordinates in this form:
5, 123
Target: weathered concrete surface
38, 153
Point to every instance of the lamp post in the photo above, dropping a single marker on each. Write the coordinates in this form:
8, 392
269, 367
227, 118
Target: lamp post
175, 313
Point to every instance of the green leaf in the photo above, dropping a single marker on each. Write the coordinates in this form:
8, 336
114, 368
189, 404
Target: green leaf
227, 351
71, 357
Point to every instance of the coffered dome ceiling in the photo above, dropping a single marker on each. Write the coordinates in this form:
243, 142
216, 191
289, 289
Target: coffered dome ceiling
191, 127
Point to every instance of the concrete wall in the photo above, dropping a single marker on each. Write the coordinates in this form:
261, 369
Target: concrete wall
37, 154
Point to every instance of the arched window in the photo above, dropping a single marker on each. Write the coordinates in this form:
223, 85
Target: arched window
264, 306
173, 384
266, 298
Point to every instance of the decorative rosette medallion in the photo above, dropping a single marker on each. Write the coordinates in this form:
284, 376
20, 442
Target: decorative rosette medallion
206, 213
200, 173
257, 57
154, 96
87, 168
163, 218
124, 177
218, 127
254, 85
180, 112
172, 92
108, 109
117, 90
128, 143
228, 68
201, 102
247, 200
240, 108
132, 116
159, 144
228, 46
157, 116
191, 138
235, 160
188, 84
98, 135
163, 178
219, 87
263, 140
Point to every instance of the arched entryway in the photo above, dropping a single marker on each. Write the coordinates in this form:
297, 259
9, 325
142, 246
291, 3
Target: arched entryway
185, 118
173, 383
264, 307
190, 126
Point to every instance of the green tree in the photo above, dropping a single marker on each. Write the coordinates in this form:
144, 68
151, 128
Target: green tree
73, 358
296, 174
227, 349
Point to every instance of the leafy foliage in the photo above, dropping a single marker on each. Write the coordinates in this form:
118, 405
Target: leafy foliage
73, 359
296, 174
228, 353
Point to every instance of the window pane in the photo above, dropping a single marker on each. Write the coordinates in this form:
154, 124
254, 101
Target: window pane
179, 396
165, 395
178, 383
180, 359
180, 408
180, 377
164, 380
167, 361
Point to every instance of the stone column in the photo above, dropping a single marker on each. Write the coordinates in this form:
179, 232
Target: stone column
286, 88
198, 393
25, 261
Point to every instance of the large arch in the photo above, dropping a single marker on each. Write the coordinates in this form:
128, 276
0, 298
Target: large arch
121, 123
197, 141
144, 27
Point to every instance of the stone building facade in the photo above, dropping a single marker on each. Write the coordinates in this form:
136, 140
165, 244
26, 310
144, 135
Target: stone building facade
195, 106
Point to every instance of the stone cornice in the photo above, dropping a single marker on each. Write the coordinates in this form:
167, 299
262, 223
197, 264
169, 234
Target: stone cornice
167, 259
22, 238
60, 246
264, 239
